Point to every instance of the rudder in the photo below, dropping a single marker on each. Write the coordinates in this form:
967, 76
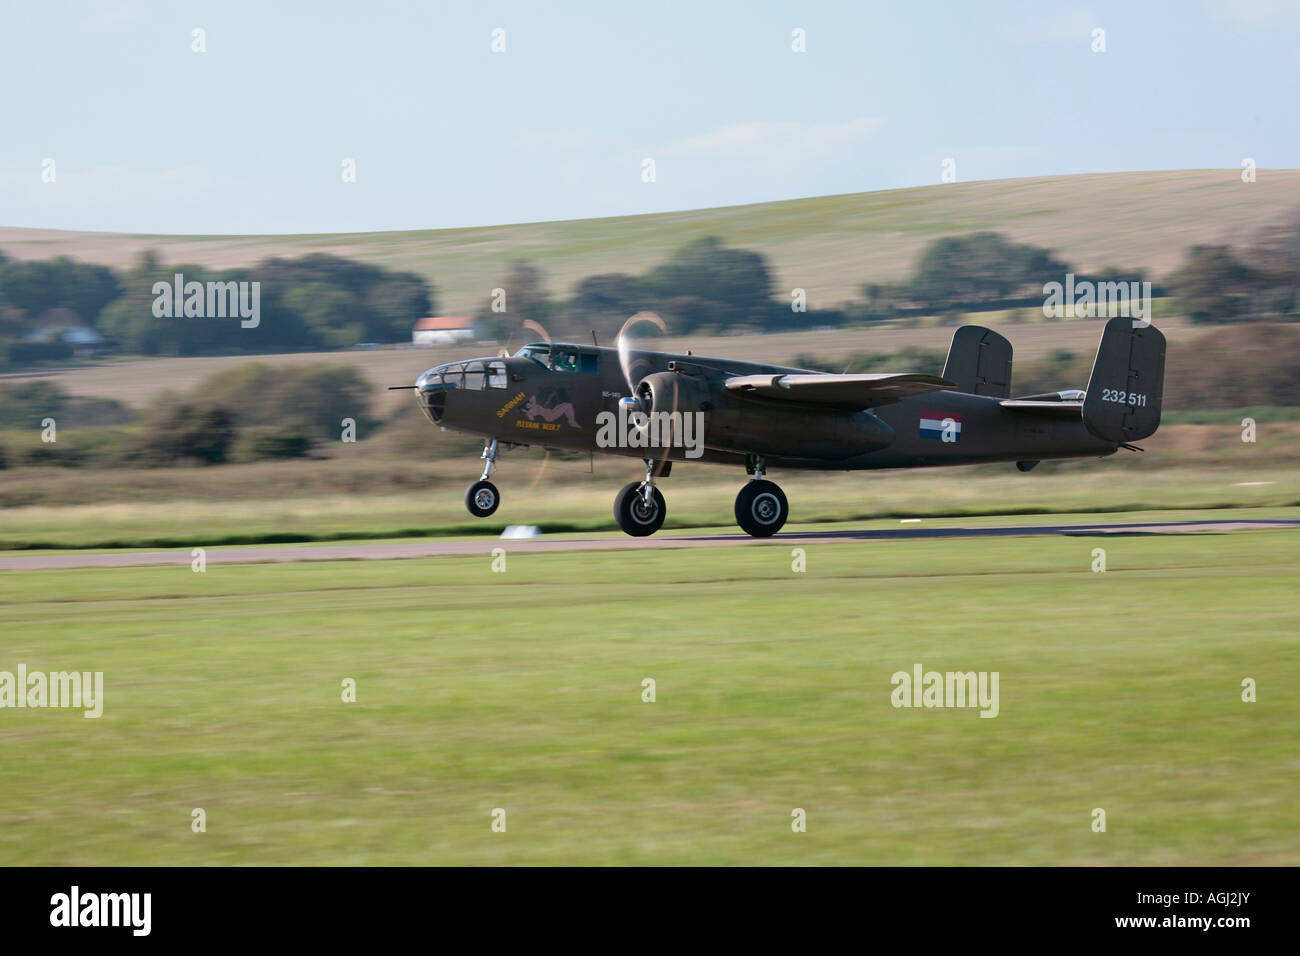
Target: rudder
979, 362
1127, 383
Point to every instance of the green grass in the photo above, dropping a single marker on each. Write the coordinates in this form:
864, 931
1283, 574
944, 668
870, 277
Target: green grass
522, 690
566, 499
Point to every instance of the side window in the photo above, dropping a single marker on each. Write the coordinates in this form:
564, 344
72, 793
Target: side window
474, 376
566, 361
496, 375
453, 376
590, 363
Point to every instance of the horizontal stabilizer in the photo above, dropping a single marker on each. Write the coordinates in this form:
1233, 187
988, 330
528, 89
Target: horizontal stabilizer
1064, 404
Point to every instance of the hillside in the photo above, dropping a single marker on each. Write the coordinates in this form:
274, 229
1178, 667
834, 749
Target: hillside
827, 245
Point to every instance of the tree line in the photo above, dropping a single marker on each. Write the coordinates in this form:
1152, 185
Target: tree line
705, 286
314, 302
249, 412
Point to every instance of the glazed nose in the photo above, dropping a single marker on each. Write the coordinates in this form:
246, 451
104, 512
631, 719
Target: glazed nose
431, 393
430, 381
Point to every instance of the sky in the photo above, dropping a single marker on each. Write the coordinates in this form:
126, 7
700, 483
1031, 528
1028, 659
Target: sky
113, 121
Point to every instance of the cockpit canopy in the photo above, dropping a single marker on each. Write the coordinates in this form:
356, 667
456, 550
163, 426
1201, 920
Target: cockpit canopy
559, 357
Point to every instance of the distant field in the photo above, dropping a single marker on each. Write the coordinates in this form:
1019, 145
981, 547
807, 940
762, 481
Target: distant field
826, 245
478, 690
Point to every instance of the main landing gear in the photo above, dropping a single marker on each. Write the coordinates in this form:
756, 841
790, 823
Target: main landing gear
482, 497
639, 507
761, 507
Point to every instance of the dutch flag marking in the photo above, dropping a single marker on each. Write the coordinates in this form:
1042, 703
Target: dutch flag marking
932, 425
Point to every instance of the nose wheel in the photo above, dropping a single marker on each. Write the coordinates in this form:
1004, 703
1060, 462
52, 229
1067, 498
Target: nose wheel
482, 498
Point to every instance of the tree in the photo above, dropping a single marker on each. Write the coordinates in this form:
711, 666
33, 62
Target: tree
520, 296
981, 267
1212, 284
201, 433
604, 302
394, 303
704, 284
318, 301
333, 316
24, 404
313, 399
38, 286
1256, 363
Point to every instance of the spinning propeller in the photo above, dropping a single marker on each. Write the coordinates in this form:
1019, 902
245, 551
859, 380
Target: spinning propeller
640, 390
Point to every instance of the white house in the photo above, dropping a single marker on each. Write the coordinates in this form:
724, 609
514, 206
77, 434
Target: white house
60, 323
443, 330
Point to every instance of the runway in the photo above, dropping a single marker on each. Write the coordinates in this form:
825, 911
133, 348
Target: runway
434, 547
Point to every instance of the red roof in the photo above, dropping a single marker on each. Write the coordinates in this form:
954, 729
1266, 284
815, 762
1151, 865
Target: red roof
444, 323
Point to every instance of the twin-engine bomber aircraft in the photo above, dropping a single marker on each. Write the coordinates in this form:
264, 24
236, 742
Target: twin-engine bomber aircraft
666, 408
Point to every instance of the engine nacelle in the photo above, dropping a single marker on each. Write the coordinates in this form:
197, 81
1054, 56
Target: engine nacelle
670, 391
744, 425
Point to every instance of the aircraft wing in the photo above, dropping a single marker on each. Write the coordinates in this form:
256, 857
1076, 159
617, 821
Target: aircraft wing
838, 391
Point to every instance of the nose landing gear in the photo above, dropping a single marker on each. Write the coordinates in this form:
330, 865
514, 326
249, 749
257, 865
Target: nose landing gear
761, 506
482, 497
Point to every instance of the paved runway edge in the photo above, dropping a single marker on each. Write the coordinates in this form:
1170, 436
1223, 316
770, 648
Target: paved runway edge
432, 547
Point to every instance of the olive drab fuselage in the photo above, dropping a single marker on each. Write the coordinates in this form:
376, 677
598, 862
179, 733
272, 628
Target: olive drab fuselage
665, 408
524, 402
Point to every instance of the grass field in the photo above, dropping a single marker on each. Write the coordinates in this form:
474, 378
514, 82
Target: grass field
522, 690
827, 245
298, 502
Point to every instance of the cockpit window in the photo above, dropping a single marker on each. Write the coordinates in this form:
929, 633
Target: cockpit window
541, 354
496, 375
559, 358
474, 376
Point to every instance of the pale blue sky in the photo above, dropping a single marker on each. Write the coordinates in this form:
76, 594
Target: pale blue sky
248, 137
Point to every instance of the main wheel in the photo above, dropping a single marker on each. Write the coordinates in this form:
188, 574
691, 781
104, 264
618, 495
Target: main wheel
632, 513
482, 498
761, 509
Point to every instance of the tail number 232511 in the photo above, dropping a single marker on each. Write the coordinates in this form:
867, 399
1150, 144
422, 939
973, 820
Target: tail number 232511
1123, 398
